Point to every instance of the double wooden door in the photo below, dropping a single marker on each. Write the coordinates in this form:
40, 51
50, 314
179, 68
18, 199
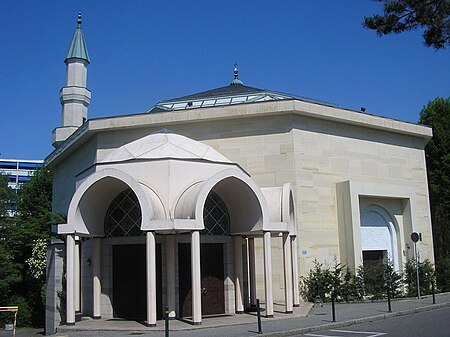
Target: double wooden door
212, 279
130, 283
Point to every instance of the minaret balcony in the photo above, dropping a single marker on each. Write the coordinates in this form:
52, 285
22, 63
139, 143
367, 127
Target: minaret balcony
77, 94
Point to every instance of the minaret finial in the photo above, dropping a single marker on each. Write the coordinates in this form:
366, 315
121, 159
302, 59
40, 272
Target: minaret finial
79, 19
236, 80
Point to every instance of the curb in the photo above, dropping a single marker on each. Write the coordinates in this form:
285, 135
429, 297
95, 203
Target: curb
357, 321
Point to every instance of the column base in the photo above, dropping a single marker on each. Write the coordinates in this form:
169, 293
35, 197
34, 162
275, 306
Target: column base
239, 312
296, 305
70, 323
149, 325
97, 317
196, 323
269, 316
289, 312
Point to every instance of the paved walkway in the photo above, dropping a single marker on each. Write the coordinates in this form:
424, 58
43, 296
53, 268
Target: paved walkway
302, 321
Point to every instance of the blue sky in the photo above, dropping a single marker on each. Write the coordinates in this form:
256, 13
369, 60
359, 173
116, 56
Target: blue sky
145, 51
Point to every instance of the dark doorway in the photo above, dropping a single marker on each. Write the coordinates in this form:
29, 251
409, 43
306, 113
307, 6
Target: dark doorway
212, 275
129, 282
372, 258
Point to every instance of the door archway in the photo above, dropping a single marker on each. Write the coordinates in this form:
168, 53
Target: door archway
379, 236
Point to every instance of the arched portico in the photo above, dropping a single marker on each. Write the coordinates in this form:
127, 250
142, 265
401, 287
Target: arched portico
173, 202
246, 211
86, 217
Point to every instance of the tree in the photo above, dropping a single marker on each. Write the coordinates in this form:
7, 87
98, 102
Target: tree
22, 239
437, 115
9, 275
404, 15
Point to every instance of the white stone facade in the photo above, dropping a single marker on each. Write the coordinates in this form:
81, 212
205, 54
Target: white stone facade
296, 181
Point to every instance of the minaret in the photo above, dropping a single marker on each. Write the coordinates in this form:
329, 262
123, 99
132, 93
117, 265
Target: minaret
74, 96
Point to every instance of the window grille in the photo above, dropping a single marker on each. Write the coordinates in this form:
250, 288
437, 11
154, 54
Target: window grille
123, 217
215, 216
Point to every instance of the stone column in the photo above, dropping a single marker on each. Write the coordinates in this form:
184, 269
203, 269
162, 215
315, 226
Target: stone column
268, 274
96, 277
77, 276
251, 270
295, 271
151, 278
170, 273
238, 275
70, 278
287, 261
196, 278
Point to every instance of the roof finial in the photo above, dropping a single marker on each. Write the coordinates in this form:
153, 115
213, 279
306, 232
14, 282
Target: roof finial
79, 19
236, 80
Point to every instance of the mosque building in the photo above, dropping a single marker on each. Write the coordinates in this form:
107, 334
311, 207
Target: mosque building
208, 201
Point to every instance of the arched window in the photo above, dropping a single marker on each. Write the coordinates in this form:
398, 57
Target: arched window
215, 216
378, 235
124, 216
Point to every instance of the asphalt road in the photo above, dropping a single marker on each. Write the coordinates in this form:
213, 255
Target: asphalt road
435, 323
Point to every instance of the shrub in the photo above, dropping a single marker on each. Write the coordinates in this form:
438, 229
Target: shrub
25, 314
426, 277
443, 274
322, 280
317, 283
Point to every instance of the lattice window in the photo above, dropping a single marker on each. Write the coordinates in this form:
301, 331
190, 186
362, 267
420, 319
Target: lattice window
215, 216
123, 217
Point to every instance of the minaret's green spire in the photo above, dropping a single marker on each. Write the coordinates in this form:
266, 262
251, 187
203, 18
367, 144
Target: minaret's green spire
78, 49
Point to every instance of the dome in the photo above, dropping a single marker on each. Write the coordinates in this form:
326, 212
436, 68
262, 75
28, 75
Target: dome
168, 145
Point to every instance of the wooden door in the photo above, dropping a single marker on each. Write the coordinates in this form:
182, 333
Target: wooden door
212, 279
130, 283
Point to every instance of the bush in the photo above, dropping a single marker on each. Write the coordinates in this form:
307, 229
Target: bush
351, 288
426, 277
322, 280
317, 283
443, 274
372, 280
25, 315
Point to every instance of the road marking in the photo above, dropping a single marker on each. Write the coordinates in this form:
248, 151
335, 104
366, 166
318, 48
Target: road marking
314, 335
367, 333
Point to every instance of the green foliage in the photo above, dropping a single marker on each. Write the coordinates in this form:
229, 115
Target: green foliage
426, 277
437, 115
317, 283
25, 314
351, 287
6, 195
22, 248
9, 275
392, 279
38, 260
404, 15
372, 280
322, 280
443, 274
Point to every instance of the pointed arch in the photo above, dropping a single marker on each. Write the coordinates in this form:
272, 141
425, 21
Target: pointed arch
92, 198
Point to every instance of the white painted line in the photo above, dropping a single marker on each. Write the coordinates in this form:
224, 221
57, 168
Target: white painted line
313, 335
369, 334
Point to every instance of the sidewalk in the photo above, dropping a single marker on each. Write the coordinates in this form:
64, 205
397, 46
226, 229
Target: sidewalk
318, 318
